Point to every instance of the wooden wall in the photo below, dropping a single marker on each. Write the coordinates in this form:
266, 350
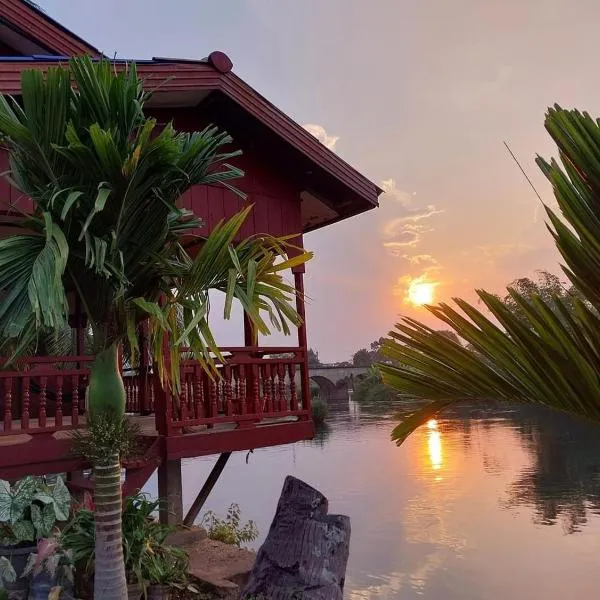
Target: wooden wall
273, 194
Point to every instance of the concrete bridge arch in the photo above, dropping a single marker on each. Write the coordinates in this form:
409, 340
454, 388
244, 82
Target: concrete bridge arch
334, 381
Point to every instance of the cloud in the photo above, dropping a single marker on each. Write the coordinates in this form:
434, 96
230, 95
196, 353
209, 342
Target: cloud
406, 228
321, 134
421, 259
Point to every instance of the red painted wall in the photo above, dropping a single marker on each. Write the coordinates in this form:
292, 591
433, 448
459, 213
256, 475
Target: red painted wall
275, 197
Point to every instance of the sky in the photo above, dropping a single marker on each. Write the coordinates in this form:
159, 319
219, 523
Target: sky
418, 95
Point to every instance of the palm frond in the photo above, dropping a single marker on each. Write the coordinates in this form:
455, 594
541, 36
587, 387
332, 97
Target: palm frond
532, 350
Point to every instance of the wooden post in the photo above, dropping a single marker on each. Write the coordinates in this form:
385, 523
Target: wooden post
203, 494
306, 551
170, 492
144, 370
302, 343
250, 339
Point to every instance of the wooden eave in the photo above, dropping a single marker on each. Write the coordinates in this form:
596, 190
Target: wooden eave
36, 25
169, 77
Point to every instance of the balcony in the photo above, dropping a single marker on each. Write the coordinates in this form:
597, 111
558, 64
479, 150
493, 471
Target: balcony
259, 399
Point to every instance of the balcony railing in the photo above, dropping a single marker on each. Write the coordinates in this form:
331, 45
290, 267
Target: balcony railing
47, 394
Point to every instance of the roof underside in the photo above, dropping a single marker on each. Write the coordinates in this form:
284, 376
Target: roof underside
333, 190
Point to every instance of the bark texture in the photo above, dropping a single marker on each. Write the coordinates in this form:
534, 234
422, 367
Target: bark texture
306, 551
110, 582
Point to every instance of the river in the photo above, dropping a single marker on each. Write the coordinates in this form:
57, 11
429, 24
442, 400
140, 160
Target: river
479, 504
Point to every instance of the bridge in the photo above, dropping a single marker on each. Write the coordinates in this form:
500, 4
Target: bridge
334, 381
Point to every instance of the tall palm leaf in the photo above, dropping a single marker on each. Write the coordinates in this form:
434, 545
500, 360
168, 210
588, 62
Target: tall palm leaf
107, 229
533, 349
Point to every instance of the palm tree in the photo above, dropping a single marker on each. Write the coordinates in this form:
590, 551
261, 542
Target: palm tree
532, 348
106, 230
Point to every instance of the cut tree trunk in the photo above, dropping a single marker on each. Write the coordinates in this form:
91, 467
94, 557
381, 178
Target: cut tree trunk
306, 551
109, 567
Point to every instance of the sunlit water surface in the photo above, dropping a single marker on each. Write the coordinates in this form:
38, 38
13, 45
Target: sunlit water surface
479, 504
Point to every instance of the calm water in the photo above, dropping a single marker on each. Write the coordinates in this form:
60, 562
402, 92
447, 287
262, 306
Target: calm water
480, 504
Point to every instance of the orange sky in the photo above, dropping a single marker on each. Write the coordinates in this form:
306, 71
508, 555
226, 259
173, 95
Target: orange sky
419, 95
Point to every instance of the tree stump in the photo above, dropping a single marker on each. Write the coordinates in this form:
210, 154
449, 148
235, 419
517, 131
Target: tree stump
306, 551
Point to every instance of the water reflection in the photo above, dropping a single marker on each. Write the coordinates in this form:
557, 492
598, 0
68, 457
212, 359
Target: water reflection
434, 443
474, 506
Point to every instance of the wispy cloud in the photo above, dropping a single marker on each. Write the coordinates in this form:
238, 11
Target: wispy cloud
321, 134
421, 259
406, 228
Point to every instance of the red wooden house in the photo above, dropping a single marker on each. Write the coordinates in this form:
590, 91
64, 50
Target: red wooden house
296, 185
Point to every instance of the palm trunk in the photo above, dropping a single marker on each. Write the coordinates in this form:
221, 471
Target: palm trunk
110, 582
107, 399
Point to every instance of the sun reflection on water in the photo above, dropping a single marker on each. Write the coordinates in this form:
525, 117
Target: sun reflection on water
434, 443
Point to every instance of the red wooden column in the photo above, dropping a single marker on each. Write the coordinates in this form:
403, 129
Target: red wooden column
251, 371
144, 370
302, 343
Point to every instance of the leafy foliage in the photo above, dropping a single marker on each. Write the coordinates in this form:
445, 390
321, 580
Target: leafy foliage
142, 533
105, 180
229, 530
371, 389
319, 408
7, 573
52, 559
104, 431
539, 346
30, 509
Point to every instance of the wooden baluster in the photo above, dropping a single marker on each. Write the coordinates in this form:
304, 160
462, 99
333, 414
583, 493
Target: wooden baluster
281, 381
266, 386
26, 400
293, 395
212, 397
227, 391
58, 415
235, 389
42, 413
256, 401
75, 403
198, 404
8, 404
242, 389
183, 397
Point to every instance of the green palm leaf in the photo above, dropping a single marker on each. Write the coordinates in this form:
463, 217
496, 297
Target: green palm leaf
531, 349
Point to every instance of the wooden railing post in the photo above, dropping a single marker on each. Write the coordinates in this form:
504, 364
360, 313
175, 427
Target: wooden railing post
302, 343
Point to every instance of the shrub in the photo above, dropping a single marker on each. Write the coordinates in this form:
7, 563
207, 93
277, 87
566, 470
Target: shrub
229, 530
320, 409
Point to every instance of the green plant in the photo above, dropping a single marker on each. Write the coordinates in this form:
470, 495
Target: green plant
320, 409
166, 565
7, 573
50, 558
141, 534
30, 509
106, 230
538, 348
229, 530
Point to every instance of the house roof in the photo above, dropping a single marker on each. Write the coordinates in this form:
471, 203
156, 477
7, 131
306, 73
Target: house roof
30, 24
186, 83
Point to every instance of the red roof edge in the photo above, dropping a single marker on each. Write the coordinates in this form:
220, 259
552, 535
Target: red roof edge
37, 25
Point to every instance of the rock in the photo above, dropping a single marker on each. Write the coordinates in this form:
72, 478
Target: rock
306, 551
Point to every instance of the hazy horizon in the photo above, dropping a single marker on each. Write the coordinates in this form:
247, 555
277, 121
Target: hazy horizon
417, 96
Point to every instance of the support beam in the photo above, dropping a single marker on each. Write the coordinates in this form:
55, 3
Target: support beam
203, 494
170, 492
302, 343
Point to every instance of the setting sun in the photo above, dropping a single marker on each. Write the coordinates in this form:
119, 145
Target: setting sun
421, 293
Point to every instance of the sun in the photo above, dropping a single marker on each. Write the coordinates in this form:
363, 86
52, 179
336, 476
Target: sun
421, 293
